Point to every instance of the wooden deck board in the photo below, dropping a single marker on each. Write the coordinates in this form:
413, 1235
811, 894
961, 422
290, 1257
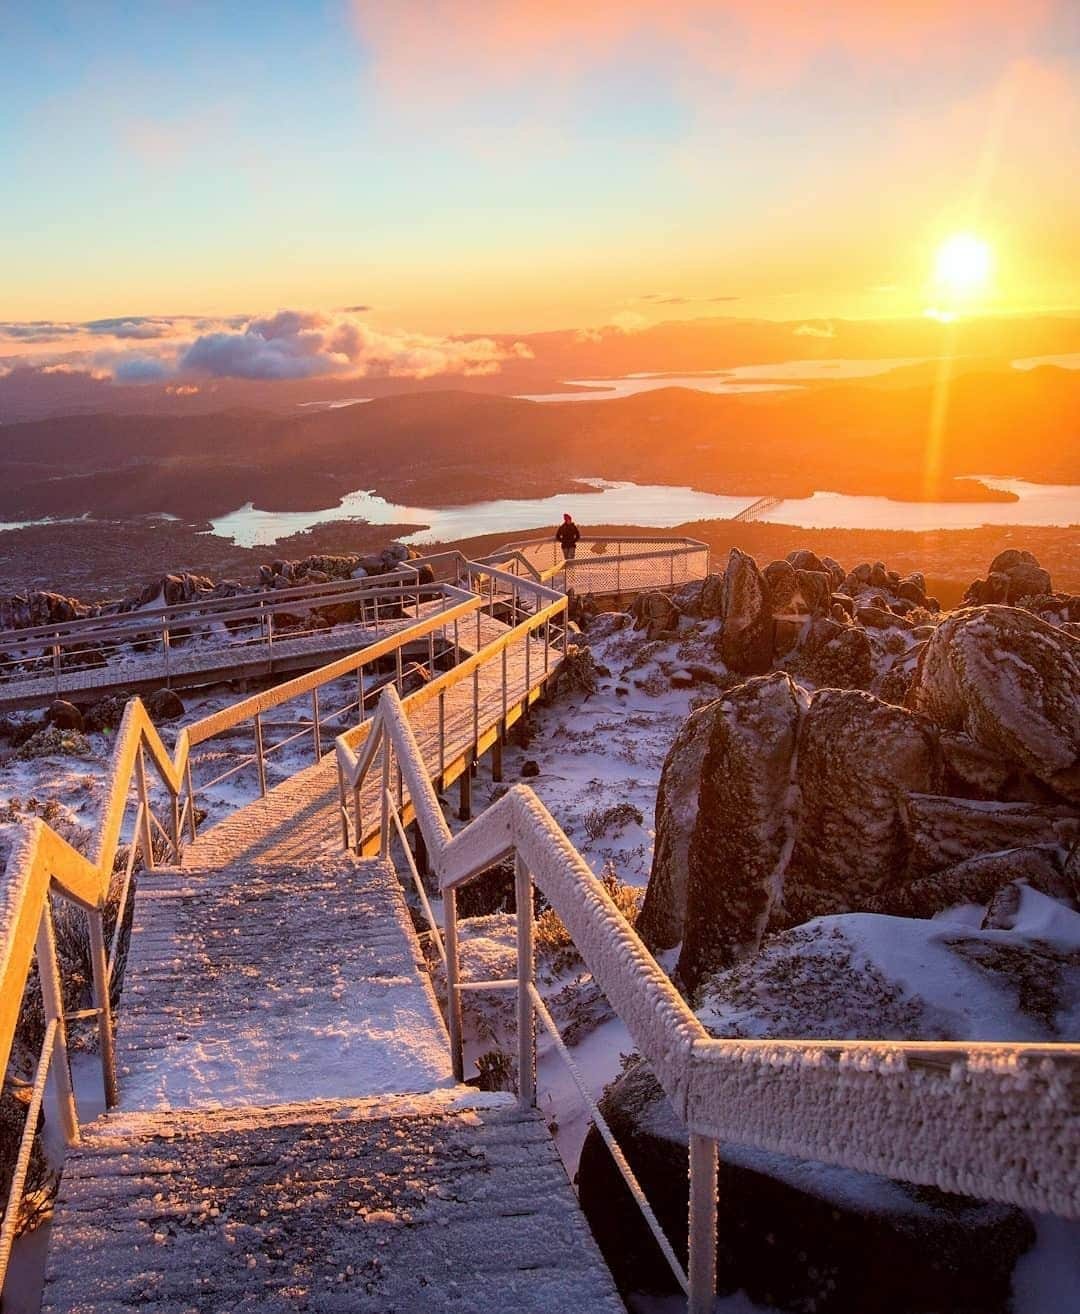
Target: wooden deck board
437, 1203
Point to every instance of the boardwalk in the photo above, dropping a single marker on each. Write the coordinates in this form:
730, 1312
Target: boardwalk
289, 1134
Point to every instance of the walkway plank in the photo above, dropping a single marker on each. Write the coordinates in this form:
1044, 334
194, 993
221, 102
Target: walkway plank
271, 985
452, 1201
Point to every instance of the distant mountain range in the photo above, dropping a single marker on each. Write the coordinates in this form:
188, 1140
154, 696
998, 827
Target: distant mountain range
905, 437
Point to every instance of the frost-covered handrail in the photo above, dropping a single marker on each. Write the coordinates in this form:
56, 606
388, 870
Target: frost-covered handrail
1000, 1121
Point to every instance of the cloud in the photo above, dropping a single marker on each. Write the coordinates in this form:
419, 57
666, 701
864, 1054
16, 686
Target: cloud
37, 330
816, 330
355, 310
304, 344
431, 50
134, 326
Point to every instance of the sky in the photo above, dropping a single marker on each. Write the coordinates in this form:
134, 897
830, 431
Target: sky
460, 168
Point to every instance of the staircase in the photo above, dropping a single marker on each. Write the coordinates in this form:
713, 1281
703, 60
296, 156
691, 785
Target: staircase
290, 1134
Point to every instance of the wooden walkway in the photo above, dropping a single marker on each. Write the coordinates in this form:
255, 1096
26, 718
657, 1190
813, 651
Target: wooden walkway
290, 1136
301, 818
202, 663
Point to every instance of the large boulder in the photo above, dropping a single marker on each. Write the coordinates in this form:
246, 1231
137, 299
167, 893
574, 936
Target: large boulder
655, 613
163, 705
745, 814
64, 715
858, 759
746, 639
794, 1235
663, 913
1011, 682
978, 880
840, 657
38, 607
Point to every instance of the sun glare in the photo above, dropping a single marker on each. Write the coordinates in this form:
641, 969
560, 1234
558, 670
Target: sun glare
963, 264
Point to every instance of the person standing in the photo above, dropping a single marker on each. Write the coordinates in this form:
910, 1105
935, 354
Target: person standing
567, 536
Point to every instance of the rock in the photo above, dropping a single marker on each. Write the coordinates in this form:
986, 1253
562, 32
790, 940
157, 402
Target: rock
804, 559
1011, 682
746, 639
393, 555
64, 715
881, 618
794, 1235
530, 769
108, 712
744, 817
22, 611
837, 573
655, 613
858, 760
844, 661
977, 881
1010, 558
973, 771
1027, 582
815, 591
712, 597
846, 604
163, 705
913, 589
783, 585
51, 741
663, 914
879, 577
682, 679
944, 831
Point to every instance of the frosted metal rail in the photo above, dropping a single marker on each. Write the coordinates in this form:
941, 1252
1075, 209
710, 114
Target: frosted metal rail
999, 1121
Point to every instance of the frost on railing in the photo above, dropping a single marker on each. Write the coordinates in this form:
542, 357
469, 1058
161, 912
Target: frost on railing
998, 1121
618, 565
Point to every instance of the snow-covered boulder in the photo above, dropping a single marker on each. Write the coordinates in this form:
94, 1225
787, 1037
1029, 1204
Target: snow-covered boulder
858, 759
744, 823
977, 881
746, 639
663, 913
1010, 681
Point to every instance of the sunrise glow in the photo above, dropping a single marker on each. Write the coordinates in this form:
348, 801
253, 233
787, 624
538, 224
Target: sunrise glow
963, 265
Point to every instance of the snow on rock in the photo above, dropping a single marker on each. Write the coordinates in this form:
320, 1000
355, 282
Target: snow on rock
943, 831
741, 837
746, 639
1011, 681
858, 757
978, 879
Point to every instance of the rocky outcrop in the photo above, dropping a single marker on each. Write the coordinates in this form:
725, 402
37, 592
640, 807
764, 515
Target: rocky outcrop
22, 611
663, 914
163, 705
741, 837
1011, 682
746, 639
1014, 577
793, 1235
858, 760
943, 831
978, 880
64, 715
655, 613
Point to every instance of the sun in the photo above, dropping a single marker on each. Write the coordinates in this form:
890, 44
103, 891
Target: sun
963, 265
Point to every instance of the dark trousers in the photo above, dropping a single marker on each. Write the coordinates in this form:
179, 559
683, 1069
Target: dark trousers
569, 551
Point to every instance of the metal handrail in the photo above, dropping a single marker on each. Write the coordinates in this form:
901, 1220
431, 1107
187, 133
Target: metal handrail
995, 1120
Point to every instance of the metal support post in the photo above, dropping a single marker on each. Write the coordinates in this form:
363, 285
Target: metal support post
52, 997
526, 970
701, 1268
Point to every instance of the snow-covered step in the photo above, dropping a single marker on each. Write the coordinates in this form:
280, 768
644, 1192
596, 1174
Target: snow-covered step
452, 1201
272, 984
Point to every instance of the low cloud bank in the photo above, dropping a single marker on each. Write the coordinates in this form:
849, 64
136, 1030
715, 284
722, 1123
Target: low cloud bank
290, 344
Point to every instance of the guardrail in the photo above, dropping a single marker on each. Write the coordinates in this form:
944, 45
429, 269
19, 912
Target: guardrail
998, 1121
156, 644
617, 565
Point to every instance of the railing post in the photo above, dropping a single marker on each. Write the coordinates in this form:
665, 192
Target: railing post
399, 678
453, 994
52, 997
384, 823
56, 667
442, 736
465, 793
147, 837
476, 711
175, 828
343, 806
701, 1269
270, 642
260, 756
165, 649
526, 971
316, 729
103, 1003
191, 799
